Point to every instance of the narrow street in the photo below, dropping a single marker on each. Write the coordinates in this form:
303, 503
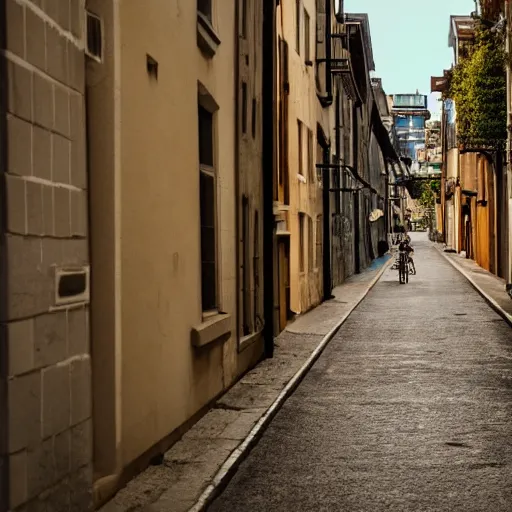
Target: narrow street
409, 408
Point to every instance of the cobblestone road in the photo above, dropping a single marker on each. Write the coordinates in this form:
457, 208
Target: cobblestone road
409, 408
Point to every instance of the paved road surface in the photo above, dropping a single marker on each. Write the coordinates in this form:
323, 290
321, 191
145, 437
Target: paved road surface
408, 409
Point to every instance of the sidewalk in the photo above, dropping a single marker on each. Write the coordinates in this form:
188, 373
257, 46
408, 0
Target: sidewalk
491, 287
196, 467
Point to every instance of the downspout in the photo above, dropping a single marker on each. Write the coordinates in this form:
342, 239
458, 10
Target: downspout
326, 171
326, 205
328, 53
357, 230
269, 123
386, 201
4, 356
237, 174
443, 172
508, 275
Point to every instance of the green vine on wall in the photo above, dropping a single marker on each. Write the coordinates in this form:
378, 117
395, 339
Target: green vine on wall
478, 87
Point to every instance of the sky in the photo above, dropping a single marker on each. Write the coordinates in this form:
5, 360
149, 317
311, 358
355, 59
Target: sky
410, 41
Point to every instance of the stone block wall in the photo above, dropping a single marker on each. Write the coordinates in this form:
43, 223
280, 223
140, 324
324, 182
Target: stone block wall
46, 366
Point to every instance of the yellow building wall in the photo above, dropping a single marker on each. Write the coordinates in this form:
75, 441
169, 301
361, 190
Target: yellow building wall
305, 194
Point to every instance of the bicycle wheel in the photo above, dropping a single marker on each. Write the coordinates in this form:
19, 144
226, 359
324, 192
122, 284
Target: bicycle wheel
401, 273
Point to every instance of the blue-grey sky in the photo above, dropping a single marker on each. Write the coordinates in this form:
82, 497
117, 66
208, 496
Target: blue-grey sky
410, 40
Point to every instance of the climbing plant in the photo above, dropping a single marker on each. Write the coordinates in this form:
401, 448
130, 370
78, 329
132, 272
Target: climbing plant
478, 87
491, 9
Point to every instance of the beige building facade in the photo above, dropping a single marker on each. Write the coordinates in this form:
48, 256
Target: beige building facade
297, 193
175, 220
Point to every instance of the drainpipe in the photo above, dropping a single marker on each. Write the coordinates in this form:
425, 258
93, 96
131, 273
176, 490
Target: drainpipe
386, 201
237, 174
4, 411
444, 167
328, 53
326, 206
269, 123
508, 275
357, 230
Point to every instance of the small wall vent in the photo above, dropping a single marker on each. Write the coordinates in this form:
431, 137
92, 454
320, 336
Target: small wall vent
94, 37
71, 286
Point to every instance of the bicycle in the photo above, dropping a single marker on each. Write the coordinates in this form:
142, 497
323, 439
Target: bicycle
403, 267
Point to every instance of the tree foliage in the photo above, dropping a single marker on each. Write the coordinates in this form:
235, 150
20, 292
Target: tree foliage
478, 87
429, 190
424, 192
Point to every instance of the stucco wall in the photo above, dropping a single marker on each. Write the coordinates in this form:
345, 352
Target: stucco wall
160, 243
148, 255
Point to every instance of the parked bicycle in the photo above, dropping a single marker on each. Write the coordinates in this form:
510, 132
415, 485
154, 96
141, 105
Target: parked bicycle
405, 263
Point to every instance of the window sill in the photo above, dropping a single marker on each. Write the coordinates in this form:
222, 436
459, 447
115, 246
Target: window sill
247, 341
211, 329
280, 207
207, 39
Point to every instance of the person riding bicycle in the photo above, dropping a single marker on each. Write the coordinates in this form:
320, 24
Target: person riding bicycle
405, 246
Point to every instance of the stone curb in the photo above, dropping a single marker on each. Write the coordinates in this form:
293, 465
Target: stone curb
230, 466
494, 305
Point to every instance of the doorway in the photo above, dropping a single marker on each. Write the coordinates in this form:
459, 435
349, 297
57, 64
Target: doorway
283, 277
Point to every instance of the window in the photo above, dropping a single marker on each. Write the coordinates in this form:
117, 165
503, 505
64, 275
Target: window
311, 163
205, 8
94, 38
256, 268
337, 195
253, 120
207, 201
247, 318
297, 25
207, 39
301, 241
282, 182
307, 43
319, 237
319, 159
243, 18
244, 107
300, 155
321, 45
310, 243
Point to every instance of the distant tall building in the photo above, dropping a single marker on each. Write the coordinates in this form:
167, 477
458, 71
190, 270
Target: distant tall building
410, 114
